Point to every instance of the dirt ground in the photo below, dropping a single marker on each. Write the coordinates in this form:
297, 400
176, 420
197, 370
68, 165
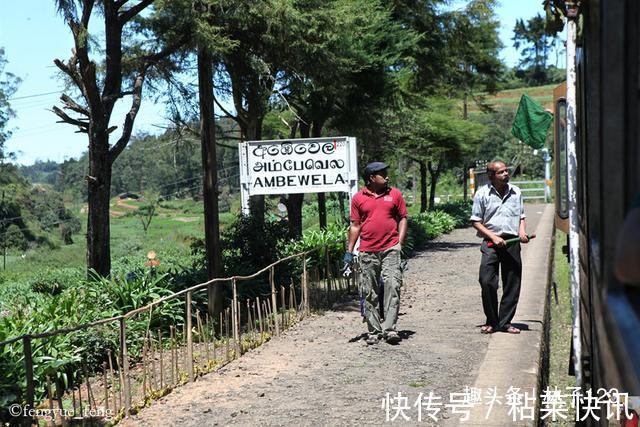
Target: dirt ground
322, 373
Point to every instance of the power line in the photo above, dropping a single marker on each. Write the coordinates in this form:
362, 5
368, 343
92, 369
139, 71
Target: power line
33, 95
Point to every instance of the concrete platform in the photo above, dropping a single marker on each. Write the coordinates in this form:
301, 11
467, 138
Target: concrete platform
516, 361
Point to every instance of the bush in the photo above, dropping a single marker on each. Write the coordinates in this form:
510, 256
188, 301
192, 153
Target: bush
247, 247
460, 211
435, 223
332, 240
55, 355
85, 301
54, 281
416, 237
425, 226
13, 238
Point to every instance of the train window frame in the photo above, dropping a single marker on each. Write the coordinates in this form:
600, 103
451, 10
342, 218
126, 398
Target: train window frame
560, 148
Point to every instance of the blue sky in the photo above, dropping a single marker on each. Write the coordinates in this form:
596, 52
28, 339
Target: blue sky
32, 35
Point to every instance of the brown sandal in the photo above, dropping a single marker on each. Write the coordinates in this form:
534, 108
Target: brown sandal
512, 330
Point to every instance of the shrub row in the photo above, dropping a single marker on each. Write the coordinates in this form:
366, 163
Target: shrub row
431, 224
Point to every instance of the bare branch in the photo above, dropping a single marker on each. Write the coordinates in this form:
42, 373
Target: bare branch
185, 126
69, 70
117, 148
130, 13
113, 97
66, 119
70, 104
284, 98
228, 114
86, 13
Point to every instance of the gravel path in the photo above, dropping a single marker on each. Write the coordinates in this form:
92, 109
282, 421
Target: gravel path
321, 373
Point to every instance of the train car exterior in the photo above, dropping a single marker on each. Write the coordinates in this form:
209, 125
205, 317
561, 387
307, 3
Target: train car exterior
607, 161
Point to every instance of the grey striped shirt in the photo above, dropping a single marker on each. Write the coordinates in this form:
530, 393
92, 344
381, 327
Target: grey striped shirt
501, 215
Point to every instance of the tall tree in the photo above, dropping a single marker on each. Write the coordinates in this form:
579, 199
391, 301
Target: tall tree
128, 58
474, 46
8, 85
535, 43
354, 44
434, 136
250, 69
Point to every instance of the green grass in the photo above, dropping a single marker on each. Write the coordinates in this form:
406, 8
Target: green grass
560, 336
173, 229
541, 99
509, 99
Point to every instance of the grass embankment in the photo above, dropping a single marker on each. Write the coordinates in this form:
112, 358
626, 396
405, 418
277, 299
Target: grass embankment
560, 334
541, 94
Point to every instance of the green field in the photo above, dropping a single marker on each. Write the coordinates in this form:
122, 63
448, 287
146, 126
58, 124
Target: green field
509, 99
174, 227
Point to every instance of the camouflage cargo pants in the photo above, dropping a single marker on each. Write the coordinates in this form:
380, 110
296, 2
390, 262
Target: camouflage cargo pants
385, 267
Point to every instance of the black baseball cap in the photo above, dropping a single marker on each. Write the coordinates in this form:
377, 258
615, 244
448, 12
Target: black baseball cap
374, 167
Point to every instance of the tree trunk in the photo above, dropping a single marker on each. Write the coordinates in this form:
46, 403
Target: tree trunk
341, 197
293, 202
322, 210
322, 201
256, 203
294, 214
99, 192
423, 186
464, 182
465, 107
96, 112
210, 184
465, 116
434, 173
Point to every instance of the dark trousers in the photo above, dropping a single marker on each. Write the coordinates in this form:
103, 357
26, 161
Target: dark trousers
507, 261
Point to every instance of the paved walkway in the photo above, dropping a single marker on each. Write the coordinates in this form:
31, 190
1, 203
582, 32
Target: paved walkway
321, 373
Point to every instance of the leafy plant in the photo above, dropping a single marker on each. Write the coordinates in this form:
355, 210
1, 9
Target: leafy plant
425, 226
459, 210
54, 281
331, 240
146, 214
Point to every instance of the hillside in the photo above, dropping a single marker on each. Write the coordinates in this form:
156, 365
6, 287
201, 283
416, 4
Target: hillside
32, 215
507, 100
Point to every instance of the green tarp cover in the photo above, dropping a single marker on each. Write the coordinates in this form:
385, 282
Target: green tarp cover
531, 123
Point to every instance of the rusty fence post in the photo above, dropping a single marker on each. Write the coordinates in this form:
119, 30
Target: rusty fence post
305, 286
125, 367
189, 339
273, 300
28, 364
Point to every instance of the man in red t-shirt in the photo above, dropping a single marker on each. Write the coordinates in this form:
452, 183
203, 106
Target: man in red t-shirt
379, 219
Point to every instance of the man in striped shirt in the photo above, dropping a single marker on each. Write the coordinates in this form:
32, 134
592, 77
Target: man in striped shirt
498, 215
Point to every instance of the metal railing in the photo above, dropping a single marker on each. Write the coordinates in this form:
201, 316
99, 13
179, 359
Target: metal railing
541, 190
531, 190
157, 349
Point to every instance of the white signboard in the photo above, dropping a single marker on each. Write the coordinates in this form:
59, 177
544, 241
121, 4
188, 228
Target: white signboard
310, 165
